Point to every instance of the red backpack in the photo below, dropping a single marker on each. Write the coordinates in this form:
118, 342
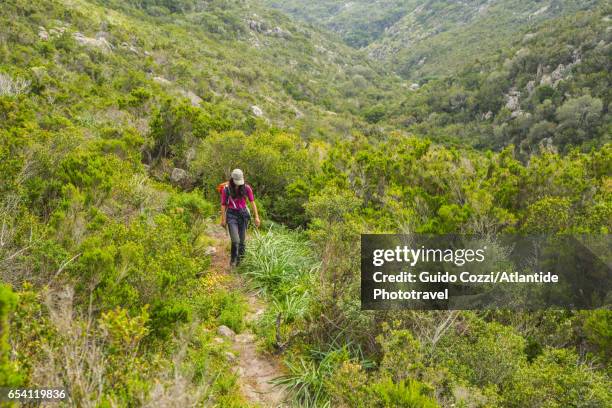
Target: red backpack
221, 186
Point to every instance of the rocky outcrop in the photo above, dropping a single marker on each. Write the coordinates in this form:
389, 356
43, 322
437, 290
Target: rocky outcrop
513, 100
561, 72
128, 47
513, 103
45, 35
257, 111
262, 28
162, 80
179, 176
193, 98
98, 42
278, 32
530, 87
226, 332
258, 26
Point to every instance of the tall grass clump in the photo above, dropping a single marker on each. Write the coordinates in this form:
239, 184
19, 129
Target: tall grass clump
307, 378
280, 263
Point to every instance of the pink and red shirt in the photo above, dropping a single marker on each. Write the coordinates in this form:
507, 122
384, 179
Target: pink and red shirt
236, 203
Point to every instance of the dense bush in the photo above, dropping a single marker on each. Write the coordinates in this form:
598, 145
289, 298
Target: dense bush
108, 288
9, 376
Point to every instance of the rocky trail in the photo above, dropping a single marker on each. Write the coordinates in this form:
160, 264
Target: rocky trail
255, 369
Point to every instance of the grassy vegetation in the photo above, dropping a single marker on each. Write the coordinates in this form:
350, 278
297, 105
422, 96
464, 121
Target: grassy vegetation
422, 39
338, 354
549, 90
118, 119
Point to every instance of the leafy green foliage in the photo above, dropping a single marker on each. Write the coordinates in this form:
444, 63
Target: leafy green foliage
539, 92
278, 261
272, 161
307, 378
487, 354
555, 379
598, 328
118, 119
8, 373
428, 38
282, 265
407, 394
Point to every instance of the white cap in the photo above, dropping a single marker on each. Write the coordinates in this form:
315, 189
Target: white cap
238, 177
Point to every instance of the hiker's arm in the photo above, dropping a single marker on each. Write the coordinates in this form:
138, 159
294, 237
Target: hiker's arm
223, 215
257, 221
252, 201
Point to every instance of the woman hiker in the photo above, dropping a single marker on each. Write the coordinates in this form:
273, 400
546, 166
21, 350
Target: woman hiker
235, 213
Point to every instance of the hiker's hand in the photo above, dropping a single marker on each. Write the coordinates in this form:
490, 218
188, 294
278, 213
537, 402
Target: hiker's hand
257, 222
223, 223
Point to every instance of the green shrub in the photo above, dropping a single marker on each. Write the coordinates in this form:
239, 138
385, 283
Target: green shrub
307, 380
598, 329
558, 379
271, 161
233, 310
9, 375
485, 354
402, 394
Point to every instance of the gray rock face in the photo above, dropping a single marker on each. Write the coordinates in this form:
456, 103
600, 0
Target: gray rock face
546, 80
257, 111
43, 34
226, 332
178, 175
161, 80
558, 73
130, 48
512, 100
262, 28
99, 42
561, 72
258, 26
530, 87
193, 98
278, 32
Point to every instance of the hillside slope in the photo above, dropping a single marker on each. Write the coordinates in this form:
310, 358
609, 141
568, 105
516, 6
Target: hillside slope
358, 23
421, 38
119, 118
257, 63
550, 88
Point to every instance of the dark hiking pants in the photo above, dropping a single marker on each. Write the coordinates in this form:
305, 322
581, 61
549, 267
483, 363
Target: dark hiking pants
237, 223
